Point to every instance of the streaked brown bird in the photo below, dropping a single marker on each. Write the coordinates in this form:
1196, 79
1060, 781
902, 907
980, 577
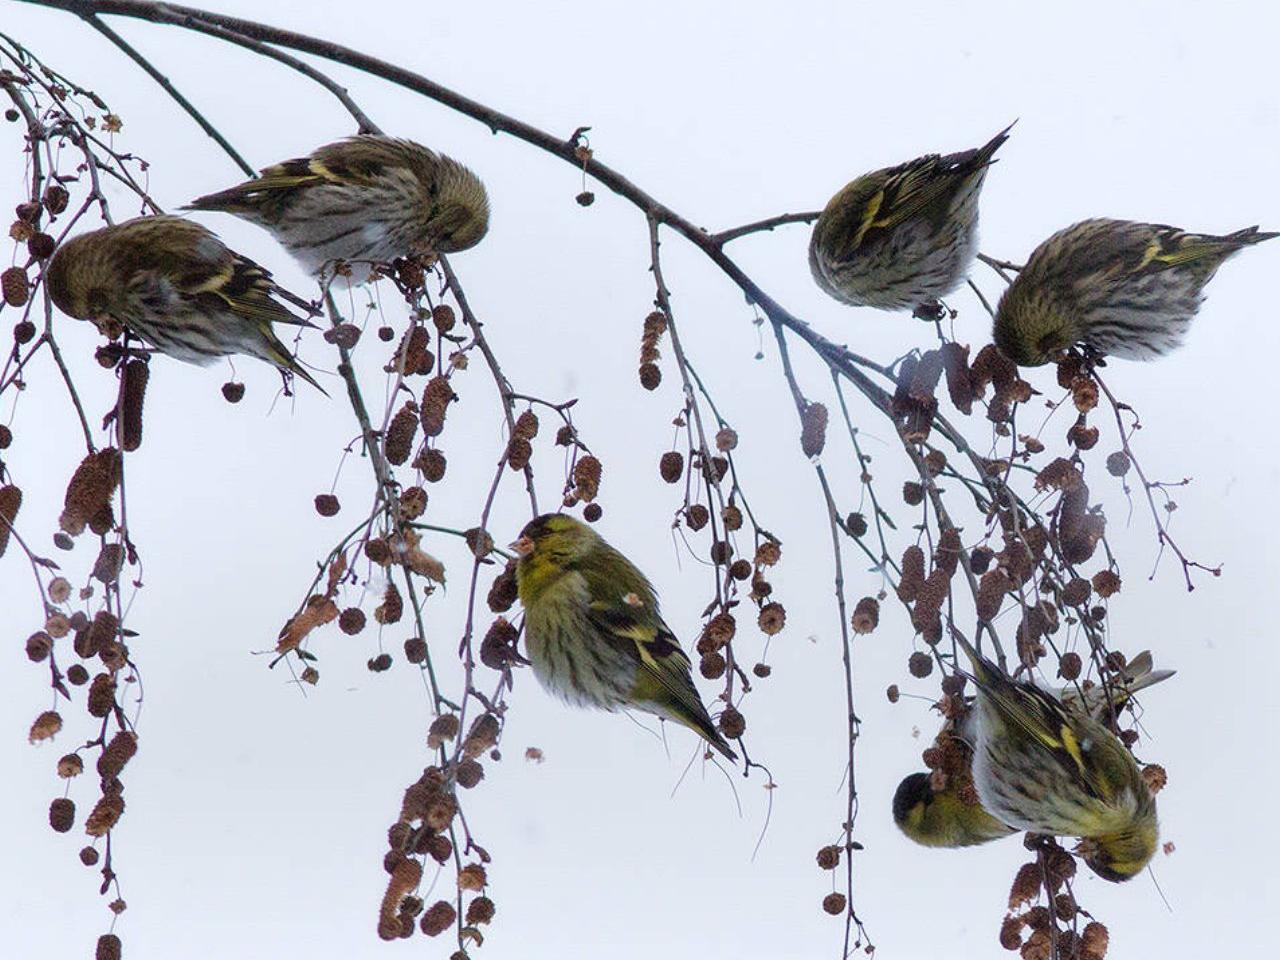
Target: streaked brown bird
1117, 287
903, 237
366, 199
175, 285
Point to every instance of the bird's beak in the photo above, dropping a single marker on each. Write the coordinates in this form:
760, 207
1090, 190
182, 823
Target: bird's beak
522, 547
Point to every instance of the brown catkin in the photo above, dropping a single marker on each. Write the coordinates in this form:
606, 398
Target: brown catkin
433, 464
14, 286
866, 615
90, 489
526, 425
991, 590
436, 397
105, 814
912, 574
392, 607
586, 475
10, 503
519, 452
102, 695
438, 918
117, 753
401, 433
813, 429
62, 814
108, 947
414, 352
106, 569
133, 390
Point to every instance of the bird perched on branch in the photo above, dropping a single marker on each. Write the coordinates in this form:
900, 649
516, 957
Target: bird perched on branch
1117, 287
175, 285
950, 813
593, 630
366, 199
1041, 767
903, 237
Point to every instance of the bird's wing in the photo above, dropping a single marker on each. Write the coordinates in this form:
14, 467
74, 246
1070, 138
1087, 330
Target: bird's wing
1043, 718
663, 674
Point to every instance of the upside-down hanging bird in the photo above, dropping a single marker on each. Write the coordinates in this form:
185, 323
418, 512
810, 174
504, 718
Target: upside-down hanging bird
953, 816
1041, 767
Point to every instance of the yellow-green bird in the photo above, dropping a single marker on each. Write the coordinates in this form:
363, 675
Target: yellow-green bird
175, 285
1117, 287
902, 237
1041, 767
366, 199
954, 816
593, 630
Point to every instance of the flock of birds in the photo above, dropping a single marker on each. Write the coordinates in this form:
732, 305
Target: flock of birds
895, 239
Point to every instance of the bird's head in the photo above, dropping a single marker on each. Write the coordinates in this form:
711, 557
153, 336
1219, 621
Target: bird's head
460, 214
910, 803
1030, 329
554, 540
1121, 856
80, 278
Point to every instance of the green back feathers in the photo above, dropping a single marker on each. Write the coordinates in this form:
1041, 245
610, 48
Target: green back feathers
876, 203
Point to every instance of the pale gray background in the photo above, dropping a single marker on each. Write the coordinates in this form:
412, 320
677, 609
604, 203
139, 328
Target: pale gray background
256, 816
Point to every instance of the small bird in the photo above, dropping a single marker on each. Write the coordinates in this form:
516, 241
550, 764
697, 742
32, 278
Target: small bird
903, 237
366, 199
953, 816
943, 818
1041, 767
175, 285
594, 632
1119, 288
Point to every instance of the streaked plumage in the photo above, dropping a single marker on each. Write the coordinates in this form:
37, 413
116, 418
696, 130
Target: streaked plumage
943, 818
1043, 768
360, 200
903, 236
1120, 288
1095, 701
593, 630
953, 816
175, 285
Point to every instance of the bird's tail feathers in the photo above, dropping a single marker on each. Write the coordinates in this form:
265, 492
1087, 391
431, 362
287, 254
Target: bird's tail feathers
1250, 235
705, 728
983, 155
278, 353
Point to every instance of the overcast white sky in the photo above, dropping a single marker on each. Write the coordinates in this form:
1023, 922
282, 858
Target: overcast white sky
256, 816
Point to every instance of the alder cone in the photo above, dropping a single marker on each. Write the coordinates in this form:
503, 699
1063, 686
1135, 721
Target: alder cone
133, 390
813, 429
10, 503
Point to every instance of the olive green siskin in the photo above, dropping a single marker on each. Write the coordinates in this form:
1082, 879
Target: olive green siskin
954, 816
902, 237
366, 199
1116, 287
175, 285
943, 818
1041, 767
593, 630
